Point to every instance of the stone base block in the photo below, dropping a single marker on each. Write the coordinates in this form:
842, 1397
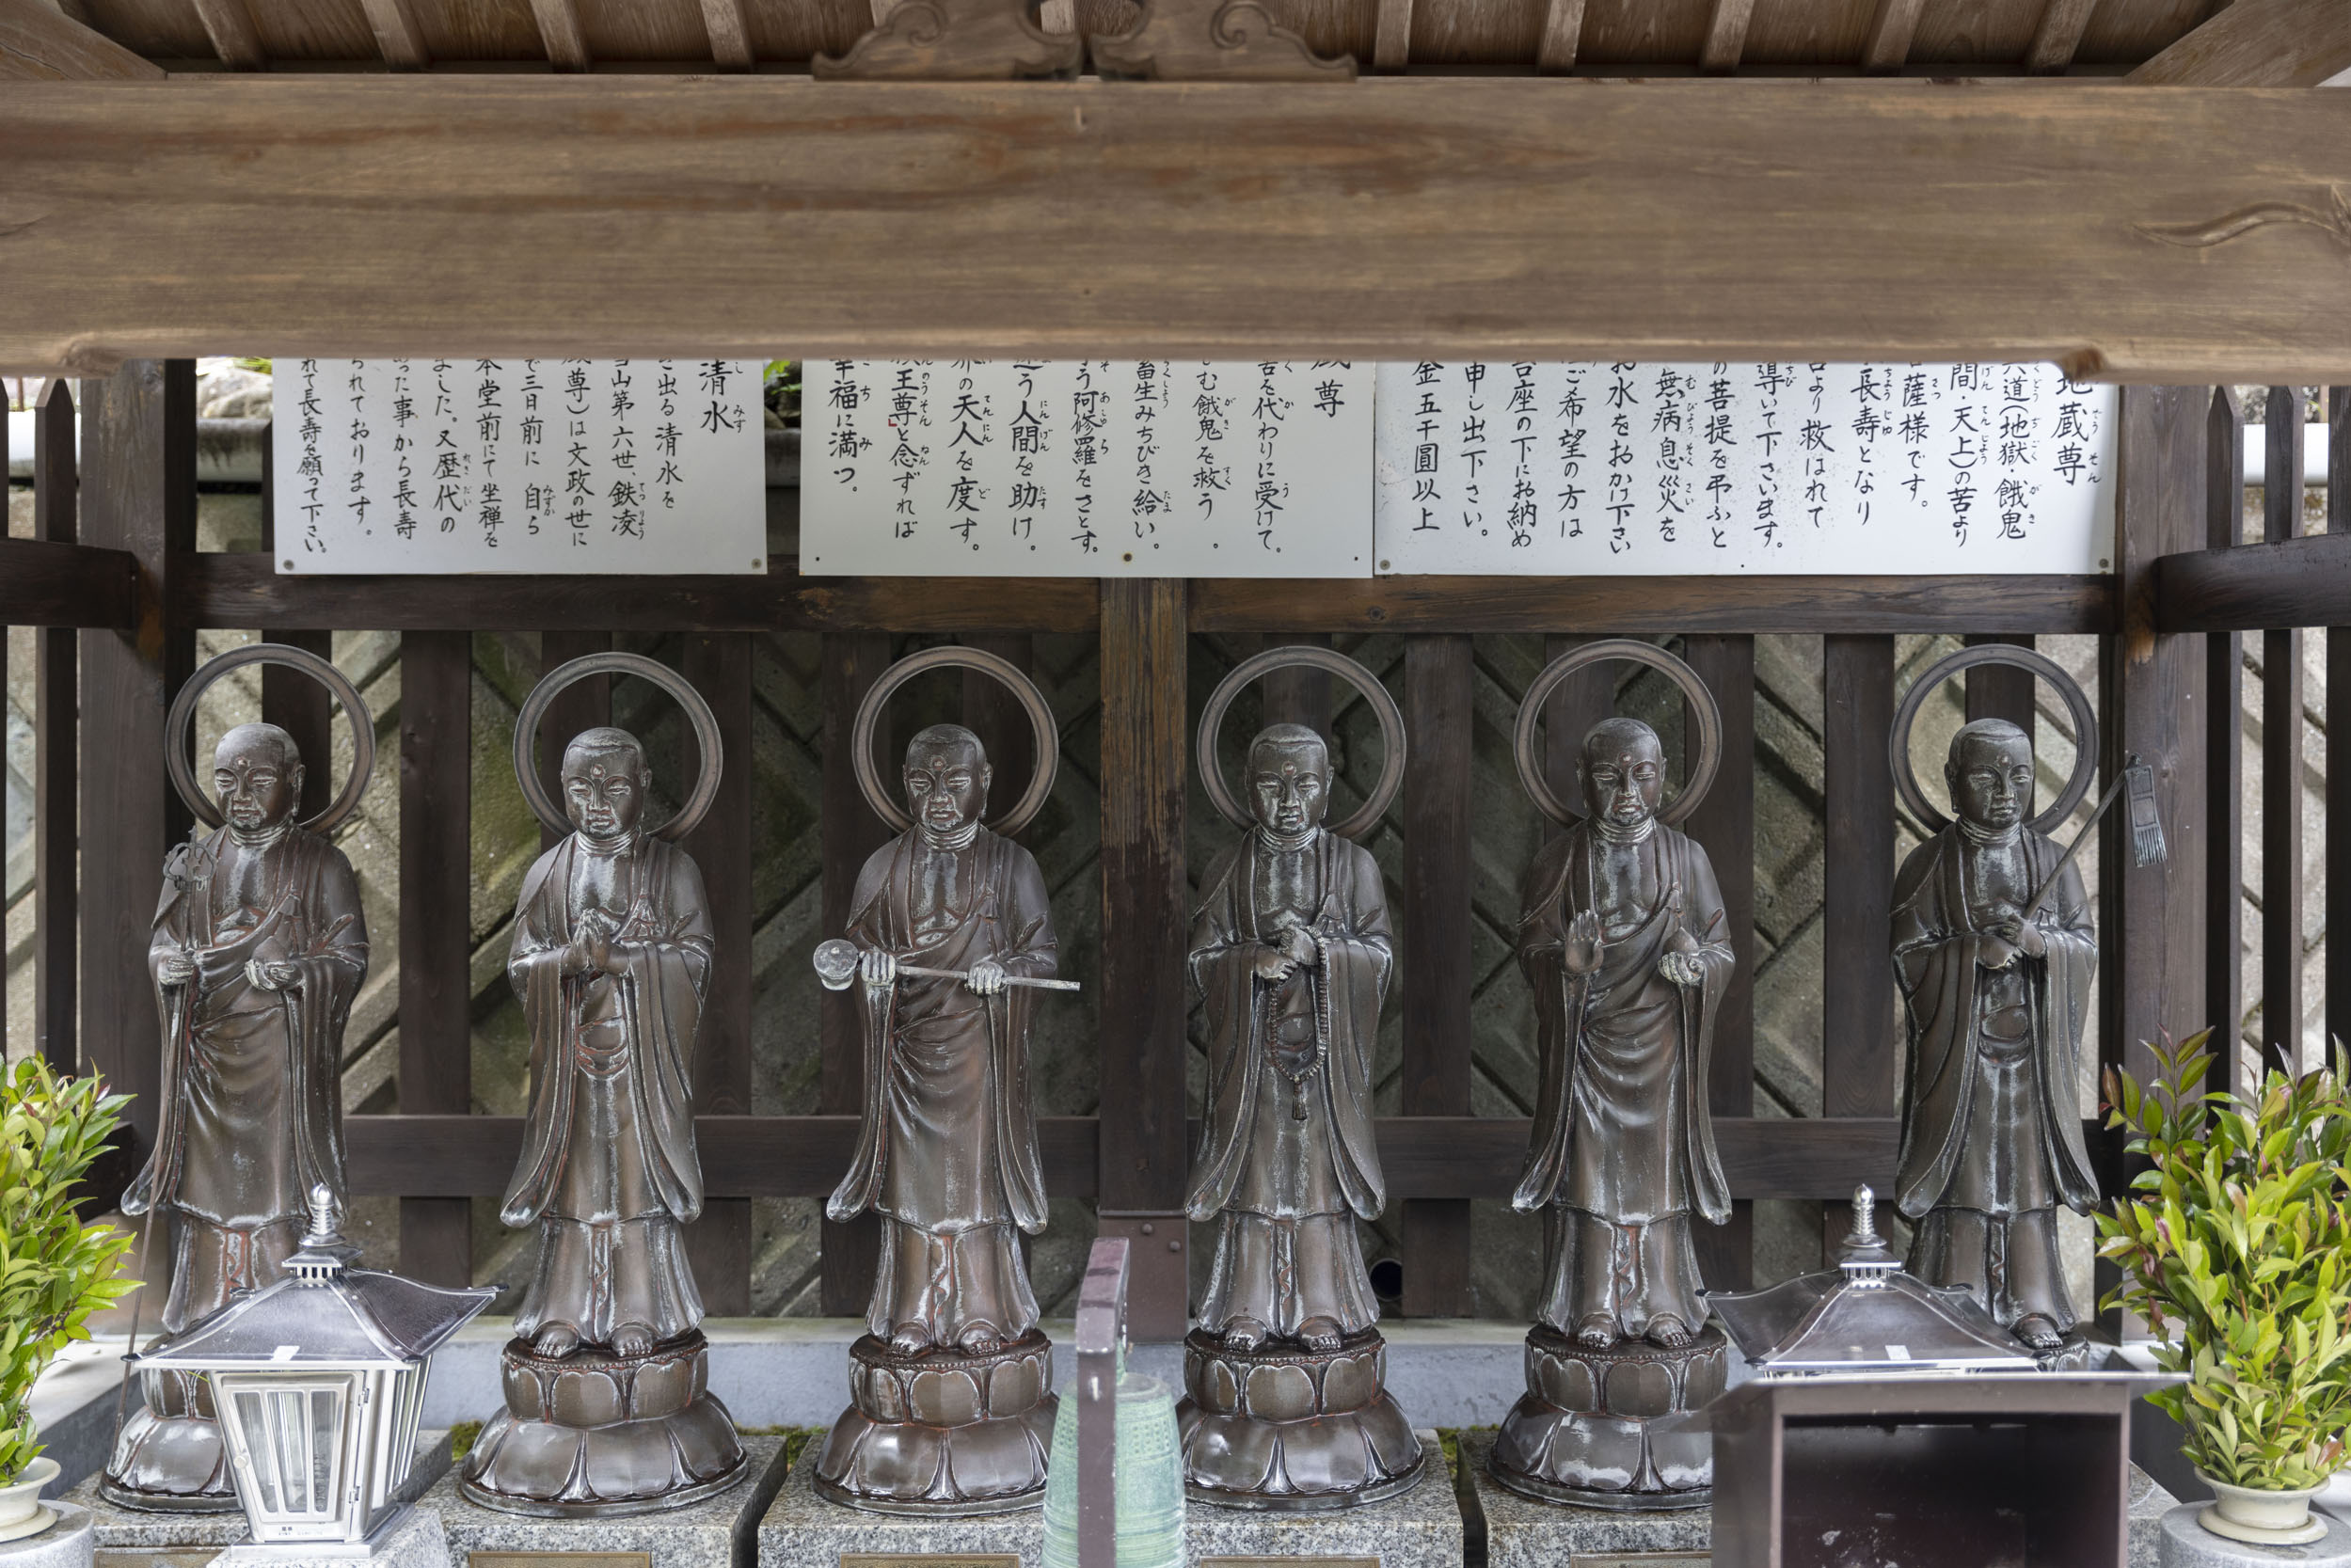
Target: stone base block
1284, 1428
1527, 1532
412, 1540
593, 1435
802, 1528
704, 1534
1622, 1427
119, 1529
1418, 1527
2184, 1542
948, 1433
67, 1544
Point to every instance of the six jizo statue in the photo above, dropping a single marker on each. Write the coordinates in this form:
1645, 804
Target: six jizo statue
950, 943
1286, 1404
608, 1408
1623, 939
259, 946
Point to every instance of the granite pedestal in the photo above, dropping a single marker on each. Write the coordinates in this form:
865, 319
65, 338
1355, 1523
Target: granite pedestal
1521, 1532
2186, 1543
714, 1532
67, 1544
173, 1537
1420, 1527
802, 1530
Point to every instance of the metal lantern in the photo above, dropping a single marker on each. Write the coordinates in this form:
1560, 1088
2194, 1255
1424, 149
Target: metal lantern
319, 1381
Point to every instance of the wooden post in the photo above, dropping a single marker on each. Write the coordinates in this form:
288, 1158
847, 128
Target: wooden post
1297, 696
1859, 1046
1725, 827
1582, 701
852, 663
2281, 754
2224, 753
2000, 690
585, 704
1439, 703
992, 713
1143, 1159
719, 1244
138, 494
2339, 723
435, 928
56, 911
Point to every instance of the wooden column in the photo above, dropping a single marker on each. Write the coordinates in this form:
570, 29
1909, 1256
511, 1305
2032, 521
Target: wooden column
1439, 699
1299, 696
2152, 918
2224, 752
435, 928
719, 1244
2000, 690
1582, 699
1859, 1049
56, 905
2339, 725
290, 699
1144, 911
851, 662
585, 704
2281, 754
138, 494
1725, 825
992, 713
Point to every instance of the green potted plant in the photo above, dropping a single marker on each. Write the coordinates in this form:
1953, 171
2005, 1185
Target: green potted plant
54, 1270
2232, 1247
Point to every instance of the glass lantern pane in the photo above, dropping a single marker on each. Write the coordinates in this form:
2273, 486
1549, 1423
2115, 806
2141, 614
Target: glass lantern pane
325, 1445
252, 1420
290, 1430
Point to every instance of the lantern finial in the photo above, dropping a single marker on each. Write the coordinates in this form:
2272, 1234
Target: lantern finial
324, 1253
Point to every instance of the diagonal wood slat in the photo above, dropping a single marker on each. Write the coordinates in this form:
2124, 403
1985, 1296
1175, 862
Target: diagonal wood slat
230, 26
1563, 35
397, 35
2258, 43
1725, 35
2059, 34
561, 34
40, 43
1887, 47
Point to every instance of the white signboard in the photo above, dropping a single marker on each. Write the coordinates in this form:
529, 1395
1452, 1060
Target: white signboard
621, 466
1096, 467
1673, 468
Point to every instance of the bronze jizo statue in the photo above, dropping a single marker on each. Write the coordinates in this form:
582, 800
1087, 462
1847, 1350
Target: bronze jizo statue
259, 947
949, 944
1995, 992
1622, 937
1291, 955
608, 1409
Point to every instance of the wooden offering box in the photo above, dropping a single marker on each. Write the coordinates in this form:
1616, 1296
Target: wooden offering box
1937, 1471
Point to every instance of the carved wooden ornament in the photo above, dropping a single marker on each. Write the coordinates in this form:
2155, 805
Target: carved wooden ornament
1193, 40
955, 40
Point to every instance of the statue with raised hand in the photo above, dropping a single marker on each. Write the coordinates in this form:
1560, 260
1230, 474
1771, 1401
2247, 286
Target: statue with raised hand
259, 947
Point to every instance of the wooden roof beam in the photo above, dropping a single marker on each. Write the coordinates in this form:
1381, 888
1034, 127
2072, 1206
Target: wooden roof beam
1391, 36
560, 34
230, 26
1727, 35
397, 35
40, 43
1890, 32
1563, 35
729, 27
2062, 23
2258, 43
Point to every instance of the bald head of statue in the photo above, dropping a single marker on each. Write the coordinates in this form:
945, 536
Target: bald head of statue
604, 782
1622, 769
257, 778
946, 780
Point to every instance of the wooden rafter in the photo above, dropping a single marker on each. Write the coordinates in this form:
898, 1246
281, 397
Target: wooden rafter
230, 26
1563, 35
1727, 35
2194, 235
397, 35
1391, 36
1891, 29
729, 27
2259, 43
40, 43
2062, 23
560, 33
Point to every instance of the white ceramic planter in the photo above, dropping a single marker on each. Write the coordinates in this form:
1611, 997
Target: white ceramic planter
2260, 1518
21, 1513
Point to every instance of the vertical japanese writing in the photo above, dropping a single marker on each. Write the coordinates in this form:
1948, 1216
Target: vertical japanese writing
538, 486
910, 409
1472, 452
1519, 410
1427, 455
489, 428
1771, 378
2075, 432
1813, 450
1622, 401
1150, 398
579, 497
1913, 429
404, 413
1873, 385
313, 465
1966, 453
2015, 451
1272, 493
1719, 442
666, 476
1669, 423
354, 389
1089, 411
1211, 415
1032, 439
625, 497
969, 416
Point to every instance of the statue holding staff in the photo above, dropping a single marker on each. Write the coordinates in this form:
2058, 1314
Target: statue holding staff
259, 946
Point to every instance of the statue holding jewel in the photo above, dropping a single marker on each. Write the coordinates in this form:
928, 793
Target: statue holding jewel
1623, 938
1995, 949
950, 944
1291, 955
259, 947
608, 1408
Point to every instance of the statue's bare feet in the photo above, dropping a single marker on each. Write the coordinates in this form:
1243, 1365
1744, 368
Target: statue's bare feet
1596, 1331
1245, 1334
1320, 1334
1666, 1332
911, 1338
556, 1340
632, 1339
980, 1340
2039, 1331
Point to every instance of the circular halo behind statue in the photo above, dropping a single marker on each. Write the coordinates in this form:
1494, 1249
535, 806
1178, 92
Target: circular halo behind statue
183, 716
1304, 655
2076, 703
706, 726
1698, 772
1012, 677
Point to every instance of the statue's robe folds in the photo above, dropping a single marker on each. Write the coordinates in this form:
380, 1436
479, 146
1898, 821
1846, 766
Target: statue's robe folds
947, 1154
609, 1170
252, 1098
1991, 1131
1286, 1162
1623, 1146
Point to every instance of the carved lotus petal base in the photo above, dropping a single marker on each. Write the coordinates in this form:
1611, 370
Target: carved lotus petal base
1623, 1427
170, 1457
1283, 1427
943, 1434
594, 1435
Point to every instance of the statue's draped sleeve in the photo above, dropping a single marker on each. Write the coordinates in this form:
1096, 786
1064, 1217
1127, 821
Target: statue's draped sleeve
1355, 952
316, 925
1937, 965
662, 956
